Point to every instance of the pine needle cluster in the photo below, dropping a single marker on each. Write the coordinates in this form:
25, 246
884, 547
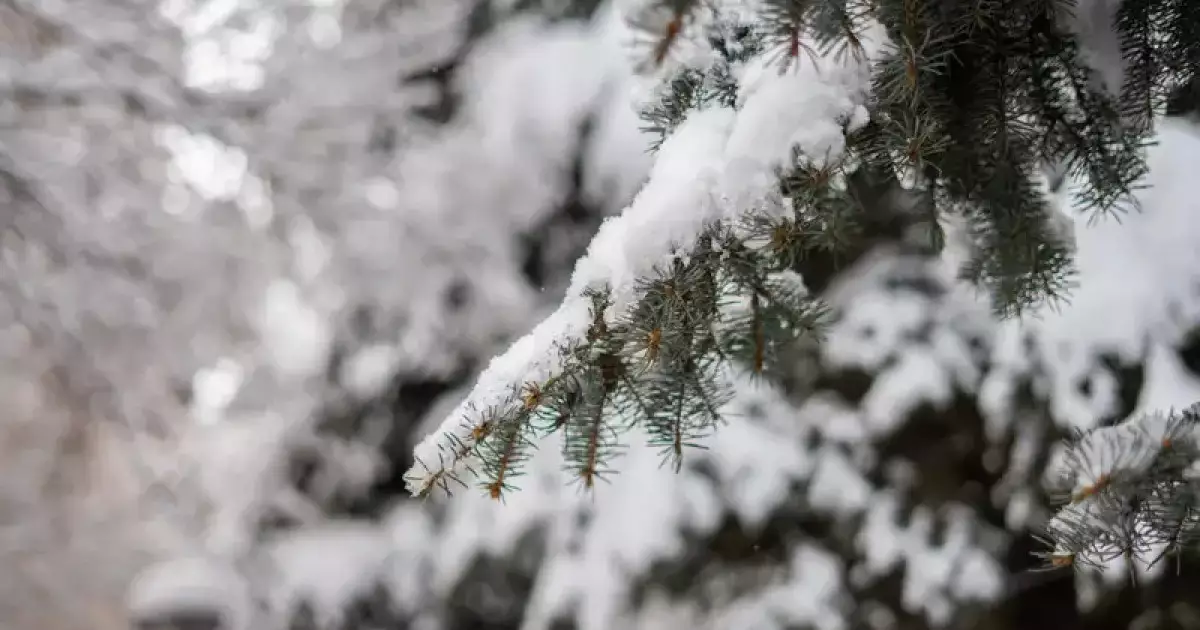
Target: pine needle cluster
1128, 492
973, 101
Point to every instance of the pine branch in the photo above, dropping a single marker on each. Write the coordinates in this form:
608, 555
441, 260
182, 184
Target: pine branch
660, 365
968, 101
1128, 491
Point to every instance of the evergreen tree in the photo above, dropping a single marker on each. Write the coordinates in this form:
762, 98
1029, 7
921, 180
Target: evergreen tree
961, 114
867, 459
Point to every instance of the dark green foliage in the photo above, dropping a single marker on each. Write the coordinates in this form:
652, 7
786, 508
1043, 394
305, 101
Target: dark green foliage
1162, 53
972, 101
977, 110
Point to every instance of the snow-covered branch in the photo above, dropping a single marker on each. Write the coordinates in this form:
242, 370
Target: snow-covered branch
719, 164
1130, 491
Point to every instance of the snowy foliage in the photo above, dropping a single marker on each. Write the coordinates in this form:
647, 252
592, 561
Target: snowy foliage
717, 164
257, 250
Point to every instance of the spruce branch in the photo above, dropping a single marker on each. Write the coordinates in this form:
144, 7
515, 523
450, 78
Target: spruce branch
968, 101
645, 350
1128, 491
965, 91
661, 366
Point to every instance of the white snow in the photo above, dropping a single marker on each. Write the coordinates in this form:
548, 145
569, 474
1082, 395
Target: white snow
192, 584
212, 169
668, 214
367, 371
754, 464
327, 566
837, 486
918, 377
936, 575
835, 420
809, 598
294, 335
410, 528
214, 388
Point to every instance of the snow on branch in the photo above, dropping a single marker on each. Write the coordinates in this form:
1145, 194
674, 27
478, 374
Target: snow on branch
718, 164
1129, 492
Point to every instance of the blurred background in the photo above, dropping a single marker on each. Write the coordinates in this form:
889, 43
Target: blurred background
254, 250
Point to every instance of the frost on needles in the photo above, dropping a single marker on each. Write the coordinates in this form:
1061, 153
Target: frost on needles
764, 114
